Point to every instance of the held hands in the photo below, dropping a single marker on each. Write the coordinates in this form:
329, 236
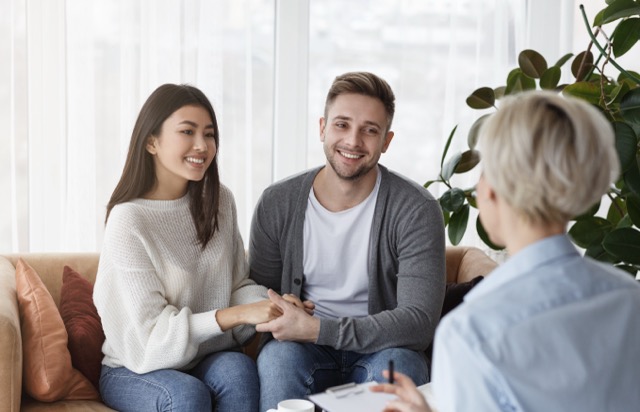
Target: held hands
296, 323
307, 305
410, 399
250, 313
259, 312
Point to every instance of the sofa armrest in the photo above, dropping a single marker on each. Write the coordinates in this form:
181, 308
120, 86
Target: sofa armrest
10, 340
466, 262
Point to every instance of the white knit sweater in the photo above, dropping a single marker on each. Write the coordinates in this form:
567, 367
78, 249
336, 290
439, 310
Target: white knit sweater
157, 291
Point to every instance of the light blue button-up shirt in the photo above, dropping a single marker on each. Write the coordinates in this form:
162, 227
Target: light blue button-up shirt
547, 331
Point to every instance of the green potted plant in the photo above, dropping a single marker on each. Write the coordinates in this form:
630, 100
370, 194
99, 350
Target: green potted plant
613, 235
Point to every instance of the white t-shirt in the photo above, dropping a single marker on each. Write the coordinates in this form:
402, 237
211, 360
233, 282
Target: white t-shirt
336, 255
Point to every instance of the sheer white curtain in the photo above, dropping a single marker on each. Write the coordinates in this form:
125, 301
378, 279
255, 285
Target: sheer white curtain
433, 53
75, 73
74, 76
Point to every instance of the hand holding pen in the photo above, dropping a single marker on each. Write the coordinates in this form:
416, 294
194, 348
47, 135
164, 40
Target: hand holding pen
410, 399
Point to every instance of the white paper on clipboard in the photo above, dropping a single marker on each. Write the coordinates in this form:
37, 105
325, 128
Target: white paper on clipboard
352, 397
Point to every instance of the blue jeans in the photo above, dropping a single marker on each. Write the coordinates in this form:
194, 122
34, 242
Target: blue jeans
294, 370
223, 381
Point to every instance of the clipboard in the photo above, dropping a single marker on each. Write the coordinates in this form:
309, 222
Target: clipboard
351, 397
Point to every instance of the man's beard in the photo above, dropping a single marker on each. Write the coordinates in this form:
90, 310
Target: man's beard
357, 174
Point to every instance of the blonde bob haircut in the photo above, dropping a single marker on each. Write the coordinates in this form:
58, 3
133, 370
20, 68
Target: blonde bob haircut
549, 157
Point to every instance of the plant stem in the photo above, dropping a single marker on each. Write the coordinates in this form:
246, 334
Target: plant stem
595, 42
584, 60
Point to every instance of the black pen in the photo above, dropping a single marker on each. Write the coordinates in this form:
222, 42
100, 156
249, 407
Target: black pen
390, 371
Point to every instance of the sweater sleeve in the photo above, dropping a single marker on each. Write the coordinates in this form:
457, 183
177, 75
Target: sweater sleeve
244, 290
143, 331
264, 249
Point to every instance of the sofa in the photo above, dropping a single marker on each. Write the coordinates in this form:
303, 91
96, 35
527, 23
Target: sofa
463, 264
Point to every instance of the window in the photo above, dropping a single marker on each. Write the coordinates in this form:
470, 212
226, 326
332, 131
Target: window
78, 71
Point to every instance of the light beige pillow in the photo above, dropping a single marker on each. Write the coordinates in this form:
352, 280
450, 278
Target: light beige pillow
47, 371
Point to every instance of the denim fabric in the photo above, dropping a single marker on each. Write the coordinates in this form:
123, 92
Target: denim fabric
223, 381
294, 370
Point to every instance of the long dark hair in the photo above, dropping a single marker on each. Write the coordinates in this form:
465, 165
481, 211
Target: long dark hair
138, 175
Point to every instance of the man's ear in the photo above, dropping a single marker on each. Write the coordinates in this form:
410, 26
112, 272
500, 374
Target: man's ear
323, 124
387, 141
151, 145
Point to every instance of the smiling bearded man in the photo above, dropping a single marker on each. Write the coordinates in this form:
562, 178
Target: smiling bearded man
363, 243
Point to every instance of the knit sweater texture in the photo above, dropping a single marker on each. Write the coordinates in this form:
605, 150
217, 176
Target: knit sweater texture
157, 291
406, 267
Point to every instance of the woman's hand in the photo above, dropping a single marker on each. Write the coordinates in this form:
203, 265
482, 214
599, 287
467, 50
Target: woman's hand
249, 313
307, 305
410, 399
295, 324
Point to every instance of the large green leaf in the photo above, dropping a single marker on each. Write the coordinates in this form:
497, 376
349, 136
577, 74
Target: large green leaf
623, 76
598, 252
630, 106
624, 222
626, 144
446, 216
472, 138
582, 65
519, 82
633, 209
482, 98
625, 36
532, 63
446, 146
471, 197
618, 93
458, 224
586, 232
624, 244
597, 21
484, 236
617, 210
584, 90
550, 78
615, 10
632, 178
449, 168
468, 161
563, 59
452, 200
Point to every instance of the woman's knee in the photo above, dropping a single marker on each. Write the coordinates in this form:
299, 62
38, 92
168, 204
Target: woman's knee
162, 390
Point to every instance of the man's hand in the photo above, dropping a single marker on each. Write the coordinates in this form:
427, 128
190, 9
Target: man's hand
307, 305
295, 324
410, 399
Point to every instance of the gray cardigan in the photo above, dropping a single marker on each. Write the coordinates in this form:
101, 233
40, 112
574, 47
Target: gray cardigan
406, 261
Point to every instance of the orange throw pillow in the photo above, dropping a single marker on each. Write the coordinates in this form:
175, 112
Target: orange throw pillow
82, 322
48, 375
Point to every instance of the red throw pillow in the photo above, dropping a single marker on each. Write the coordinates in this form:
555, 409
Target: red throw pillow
48, 374
83, 325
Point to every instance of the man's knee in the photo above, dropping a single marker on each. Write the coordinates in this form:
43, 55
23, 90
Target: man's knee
279, 354
409, 362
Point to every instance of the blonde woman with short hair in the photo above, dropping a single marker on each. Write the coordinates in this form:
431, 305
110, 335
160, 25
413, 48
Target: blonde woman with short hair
548, 330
